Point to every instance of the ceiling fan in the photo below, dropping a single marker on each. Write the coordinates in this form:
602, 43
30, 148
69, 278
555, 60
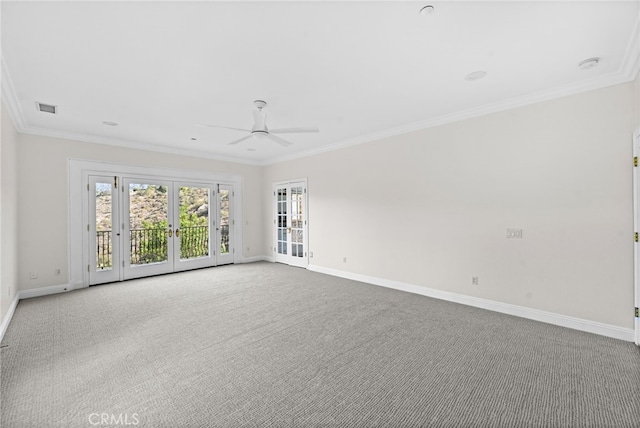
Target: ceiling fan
260, 130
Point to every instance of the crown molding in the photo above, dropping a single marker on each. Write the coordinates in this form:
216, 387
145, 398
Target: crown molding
630, 65
522, 101
9, 97
135, 145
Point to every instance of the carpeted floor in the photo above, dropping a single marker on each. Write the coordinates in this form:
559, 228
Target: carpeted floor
267, 345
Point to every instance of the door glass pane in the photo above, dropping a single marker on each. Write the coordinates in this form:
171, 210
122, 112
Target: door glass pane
224, 221
297, 207
104, 227
148, 214
194, 222
282, 221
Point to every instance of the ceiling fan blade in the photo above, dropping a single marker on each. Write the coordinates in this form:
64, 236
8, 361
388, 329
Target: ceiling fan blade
241, 139
279, 140
225, 127
293, 130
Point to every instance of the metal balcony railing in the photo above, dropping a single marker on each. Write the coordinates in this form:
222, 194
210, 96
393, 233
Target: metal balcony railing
194, 242
104, 258
150, 245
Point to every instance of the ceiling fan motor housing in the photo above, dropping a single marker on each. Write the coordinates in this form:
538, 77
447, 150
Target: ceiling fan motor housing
259, 133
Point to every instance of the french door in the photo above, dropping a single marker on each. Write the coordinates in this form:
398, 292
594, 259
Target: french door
104, 230
224, 225
290, 223
142, 227
147, 227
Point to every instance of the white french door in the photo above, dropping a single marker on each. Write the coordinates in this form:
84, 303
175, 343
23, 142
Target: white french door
149, 226
192, 226
104, 230
290, 223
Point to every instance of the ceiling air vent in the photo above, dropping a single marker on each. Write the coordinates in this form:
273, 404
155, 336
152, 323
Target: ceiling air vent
47, 108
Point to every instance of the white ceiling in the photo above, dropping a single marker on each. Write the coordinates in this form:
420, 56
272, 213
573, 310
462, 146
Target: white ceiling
357, 70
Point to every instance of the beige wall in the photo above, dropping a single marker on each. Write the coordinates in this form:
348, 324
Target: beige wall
44, 195
431, 208
8, 213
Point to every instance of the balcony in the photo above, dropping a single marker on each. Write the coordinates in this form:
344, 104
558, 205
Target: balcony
152, 245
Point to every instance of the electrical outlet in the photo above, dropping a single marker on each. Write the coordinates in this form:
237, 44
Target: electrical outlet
33, 275
57, 271
310, 254
474, 280
344, 260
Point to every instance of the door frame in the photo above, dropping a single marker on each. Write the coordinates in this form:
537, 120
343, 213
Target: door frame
303, 261
79, 172
636, 227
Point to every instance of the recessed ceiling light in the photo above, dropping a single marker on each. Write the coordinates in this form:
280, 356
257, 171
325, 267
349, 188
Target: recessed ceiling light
108, 123
427, 10
588, 63
476, 75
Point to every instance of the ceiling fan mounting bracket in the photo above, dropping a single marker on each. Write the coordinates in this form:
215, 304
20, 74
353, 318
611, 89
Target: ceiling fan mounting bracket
260, 104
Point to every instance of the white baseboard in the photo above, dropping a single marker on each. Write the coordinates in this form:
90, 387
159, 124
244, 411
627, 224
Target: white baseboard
44, 291
253, 259
626, 334
26, 294
7, 318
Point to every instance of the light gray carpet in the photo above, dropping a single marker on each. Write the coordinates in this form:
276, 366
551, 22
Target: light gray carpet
270, 345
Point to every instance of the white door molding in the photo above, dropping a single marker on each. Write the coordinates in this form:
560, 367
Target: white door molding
636, 226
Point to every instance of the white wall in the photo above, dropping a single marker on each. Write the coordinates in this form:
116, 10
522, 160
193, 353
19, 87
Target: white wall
8, 213
43, 199
431, 208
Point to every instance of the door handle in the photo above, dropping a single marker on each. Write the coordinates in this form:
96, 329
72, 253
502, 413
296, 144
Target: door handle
177, 233
170, 233
288, 230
